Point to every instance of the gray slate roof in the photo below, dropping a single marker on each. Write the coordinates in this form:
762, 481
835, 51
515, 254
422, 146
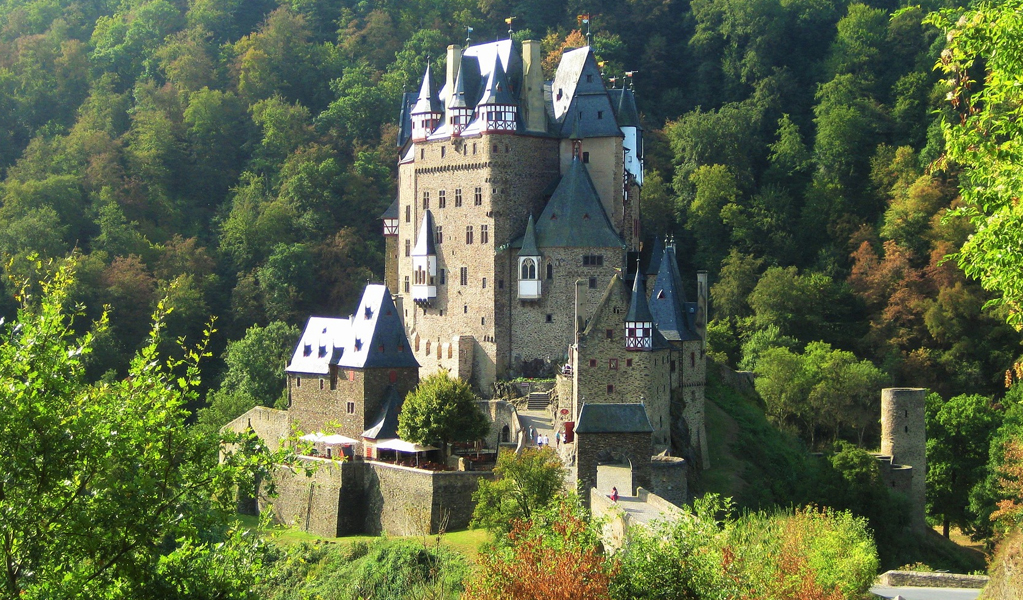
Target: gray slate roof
428, 101
613, 418
392, 210
668, 301
371, 338
639, 311
408, 99
574, 216
497, 91
579, 97
424, 243
529, 240
386, 425
624, 102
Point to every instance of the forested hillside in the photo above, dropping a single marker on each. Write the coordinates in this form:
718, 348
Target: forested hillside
234, 155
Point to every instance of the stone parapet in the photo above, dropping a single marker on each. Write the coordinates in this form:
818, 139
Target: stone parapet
931, 580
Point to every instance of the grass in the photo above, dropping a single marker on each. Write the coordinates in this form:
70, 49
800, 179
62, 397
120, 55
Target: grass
465, 542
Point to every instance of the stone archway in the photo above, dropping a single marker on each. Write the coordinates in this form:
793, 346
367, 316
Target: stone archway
628, 452
614, 470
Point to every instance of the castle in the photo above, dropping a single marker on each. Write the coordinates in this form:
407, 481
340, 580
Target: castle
513, 248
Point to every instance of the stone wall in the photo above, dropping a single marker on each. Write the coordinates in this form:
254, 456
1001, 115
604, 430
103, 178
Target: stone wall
669, 479
269, 424
594, 448
897, 477
931, 580
694, 393
606, 168
455, 356
501, 414
311, 501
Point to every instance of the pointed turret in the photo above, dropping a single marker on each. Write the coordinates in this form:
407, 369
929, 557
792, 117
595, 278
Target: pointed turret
639, 326
424, 263
458, 111
496, 110
426, 114
529, 265
574, 216
672, 314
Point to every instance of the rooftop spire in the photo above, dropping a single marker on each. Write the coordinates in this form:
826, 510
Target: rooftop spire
639, 310
529, 240
427, 97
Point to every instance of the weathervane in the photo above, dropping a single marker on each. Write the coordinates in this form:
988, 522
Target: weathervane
509, 22
630, 75
468, 35
585, 20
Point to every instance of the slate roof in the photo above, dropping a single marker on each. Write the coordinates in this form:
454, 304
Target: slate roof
579, 97
424, 242
529, 240
624, 102
386, 425
574, 216
371, 338
392, 210
496, 91
613, 418
653, 258
613, 294
428, 101
639, 311
672, 315
408, 99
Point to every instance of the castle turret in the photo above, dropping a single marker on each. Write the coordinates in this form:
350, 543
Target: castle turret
390, 219
639, 323
497, 110
904, 438
529, 263
426, 114
459, 113
424, 263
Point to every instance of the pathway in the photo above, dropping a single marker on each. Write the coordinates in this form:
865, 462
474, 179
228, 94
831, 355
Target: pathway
919, 593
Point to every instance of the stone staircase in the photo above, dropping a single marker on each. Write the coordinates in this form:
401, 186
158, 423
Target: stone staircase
538, 400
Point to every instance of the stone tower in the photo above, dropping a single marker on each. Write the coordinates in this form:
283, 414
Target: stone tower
904, 438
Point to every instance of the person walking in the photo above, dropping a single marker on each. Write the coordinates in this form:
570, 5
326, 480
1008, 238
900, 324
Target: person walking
614, 494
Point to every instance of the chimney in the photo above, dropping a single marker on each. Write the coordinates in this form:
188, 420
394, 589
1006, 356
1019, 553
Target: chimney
701, 306
532, 92
454, 60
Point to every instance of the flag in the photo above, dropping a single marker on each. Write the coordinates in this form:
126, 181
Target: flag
509, 20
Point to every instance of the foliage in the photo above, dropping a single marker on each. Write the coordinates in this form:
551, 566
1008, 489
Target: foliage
808, 553
441, 410
399, 569
1010, 482
109, 494
554, 555
525, 482
982, 140
959, 434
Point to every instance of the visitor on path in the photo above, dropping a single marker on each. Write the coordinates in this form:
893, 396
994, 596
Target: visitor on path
557, 439
614, 494
532, 434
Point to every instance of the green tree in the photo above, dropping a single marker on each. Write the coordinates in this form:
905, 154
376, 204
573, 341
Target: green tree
441, 410
983, 136
108, 492
959, 434
526, 482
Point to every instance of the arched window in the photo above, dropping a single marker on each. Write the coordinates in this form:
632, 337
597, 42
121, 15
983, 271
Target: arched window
427, 347
528, 269
550, 271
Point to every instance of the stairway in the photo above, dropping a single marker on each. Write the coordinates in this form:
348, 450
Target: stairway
538, 400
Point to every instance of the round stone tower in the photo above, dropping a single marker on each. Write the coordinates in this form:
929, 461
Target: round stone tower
904, 438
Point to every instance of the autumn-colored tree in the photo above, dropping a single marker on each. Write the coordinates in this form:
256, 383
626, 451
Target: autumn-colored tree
556, 555
1010, 482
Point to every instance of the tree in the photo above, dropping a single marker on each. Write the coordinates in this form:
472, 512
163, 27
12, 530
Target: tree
108, 493
441, 410
526, 482
959, 434
983, 136
555, 555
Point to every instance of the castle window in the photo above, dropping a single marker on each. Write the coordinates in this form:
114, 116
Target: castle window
907, 428
484, 283
593, 260
549, 318
610, 388
692, 359
609, 333
483, 320
672, 366
438, 350
586, 157
495, 149
500, 284
628, 362
465, 309
477, 199
528, 269
600, 114
450, 351
333, 378
550, 271
406, 284
507, 148
443, 149
408, 247
307, 350
439, 234
458, 196
593, 362
442, 199
298, 382
422, 153
427, 347
474, 147
321, 383
350, 407
426, 200
443, 277
612, 363
593, 283
484, 234
468, 234
322, 352
589, 78
408, 213
464, 276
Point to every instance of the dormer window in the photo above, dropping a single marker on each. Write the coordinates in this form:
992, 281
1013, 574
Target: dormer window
322, 352
358, 344
369, 312
307, 350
